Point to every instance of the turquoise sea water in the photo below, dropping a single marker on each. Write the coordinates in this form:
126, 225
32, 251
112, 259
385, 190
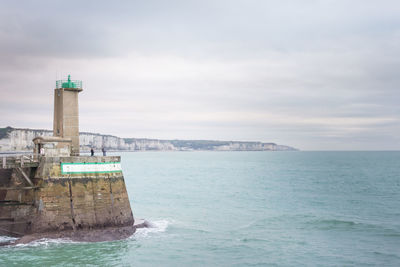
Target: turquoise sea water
247, 209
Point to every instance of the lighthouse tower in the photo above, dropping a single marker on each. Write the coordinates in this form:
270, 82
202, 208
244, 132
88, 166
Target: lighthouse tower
66, 112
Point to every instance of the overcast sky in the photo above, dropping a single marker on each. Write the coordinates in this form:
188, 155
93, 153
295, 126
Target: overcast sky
316, 75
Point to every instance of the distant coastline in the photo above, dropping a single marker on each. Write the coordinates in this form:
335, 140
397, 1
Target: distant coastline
20, 139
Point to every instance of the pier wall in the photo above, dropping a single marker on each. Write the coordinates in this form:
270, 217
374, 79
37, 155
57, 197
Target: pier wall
63, 201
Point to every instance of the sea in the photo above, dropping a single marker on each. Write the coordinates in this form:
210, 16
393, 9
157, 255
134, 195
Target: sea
246, 209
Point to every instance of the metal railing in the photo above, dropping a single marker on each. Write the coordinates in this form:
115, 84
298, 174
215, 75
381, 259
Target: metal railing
68, 84
13, 161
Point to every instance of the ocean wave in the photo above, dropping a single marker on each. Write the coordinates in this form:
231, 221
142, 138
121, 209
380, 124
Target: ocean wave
5, 239
335, 222
159, 226
275, 221
246, 226
44, 242
154, 227
344, 225
252, 240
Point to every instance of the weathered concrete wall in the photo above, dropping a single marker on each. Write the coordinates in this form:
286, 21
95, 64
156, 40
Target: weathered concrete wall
15, 205
65, 201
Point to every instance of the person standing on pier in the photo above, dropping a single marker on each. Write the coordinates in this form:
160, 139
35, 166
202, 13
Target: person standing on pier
104, 151
91, 152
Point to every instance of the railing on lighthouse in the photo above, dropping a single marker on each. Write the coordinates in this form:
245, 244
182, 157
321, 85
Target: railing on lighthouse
69, 83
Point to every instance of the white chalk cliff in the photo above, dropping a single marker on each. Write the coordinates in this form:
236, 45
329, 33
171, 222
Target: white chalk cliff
13, 139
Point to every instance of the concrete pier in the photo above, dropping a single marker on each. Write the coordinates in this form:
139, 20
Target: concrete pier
56, 192
59, 200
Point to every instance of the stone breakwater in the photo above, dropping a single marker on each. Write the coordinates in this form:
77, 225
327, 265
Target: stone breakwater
12, 139
59, 200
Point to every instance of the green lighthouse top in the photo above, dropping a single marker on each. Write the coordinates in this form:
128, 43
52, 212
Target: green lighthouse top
69, 83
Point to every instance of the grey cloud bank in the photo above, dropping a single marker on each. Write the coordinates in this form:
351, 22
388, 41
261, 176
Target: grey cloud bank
316, 75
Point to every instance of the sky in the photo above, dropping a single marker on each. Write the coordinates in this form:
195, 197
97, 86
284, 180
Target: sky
315, 75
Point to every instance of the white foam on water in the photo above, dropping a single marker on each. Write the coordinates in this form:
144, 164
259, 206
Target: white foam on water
159, 226
46, 242
4, 239
154, 227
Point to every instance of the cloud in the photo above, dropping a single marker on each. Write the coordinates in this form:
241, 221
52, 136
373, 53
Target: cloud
312, 74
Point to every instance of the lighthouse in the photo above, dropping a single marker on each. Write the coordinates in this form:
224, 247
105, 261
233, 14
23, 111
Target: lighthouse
66, 112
